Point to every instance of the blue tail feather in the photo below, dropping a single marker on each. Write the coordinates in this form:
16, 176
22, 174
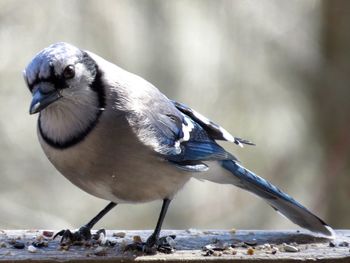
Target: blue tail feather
279, 200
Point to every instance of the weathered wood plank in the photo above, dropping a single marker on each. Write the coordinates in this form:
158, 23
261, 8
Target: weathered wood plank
238, 246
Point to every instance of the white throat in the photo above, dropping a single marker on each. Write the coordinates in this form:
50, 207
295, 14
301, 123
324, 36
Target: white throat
70, 117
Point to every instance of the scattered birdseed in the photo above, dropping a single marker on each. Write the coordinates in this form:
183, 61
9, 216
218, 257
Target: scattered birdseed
207, 247
119, 234
251, 243
217, 246
39, 238
250, 251
64, 247
217, 254
264, 246
137, 239
40, 243
274, 250
229, 251
290, 248
18, 245
343, 244
208, 252
239, 244
331, 244
32, 249
47, 233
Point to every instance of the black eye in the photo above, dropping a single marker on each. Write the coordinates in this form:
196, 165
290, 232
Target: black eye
69, 72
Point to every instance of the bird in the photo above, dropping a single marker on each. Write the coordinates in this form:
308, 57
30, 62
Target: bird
116, 136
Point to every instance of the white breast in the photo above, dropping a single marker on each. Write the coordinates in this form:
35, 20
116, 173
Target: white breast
111, 164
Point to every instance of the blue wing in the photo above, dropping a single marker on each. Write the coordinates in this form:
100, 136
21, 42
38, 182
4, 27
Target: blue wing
181, 135
194, 144
215, 131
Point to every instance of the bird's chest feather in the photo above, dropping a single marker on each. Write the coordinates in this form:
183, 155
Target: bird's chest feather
112, 164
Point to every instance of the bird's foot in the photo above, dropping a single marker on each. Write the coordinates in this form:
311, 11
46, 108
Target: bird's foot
77, 238
166, 244
154, 244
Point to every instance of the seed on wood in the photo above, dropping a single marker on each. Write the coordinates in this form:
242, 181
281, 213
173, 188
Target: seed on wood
119, 234
137, 239
18, 245
32, 249
47, 233
250, 251
251, 243
290, 248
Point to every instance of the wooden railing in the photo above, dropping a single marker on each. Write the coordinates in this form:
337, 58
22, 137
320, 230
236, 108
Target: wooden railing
191, 246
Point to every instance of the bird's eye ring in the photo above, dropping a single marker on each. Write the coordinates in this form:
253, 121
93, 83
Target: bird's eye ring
69, 72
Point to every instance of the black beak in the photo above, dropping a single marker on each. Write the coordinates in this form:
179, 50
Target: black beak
41, 100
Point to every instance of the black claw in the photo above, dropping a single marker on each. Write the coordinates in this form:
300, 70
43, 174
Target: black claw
67, 237
152, 240
60, 233
85, 233
152, 245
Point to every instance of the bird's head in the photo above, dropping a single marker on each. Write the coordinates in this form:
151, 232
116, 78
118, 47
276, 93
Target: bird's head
60, 72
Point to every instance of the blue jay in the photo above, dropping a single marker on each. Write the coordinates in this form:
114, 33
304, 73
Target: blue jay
117, 137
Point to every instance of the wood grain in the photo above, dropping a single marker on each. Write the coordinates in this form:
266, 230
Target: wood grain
221, 245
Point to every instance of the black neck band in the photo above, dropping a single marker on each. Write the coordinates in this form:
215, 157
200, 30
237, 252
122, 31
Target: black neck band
97, 87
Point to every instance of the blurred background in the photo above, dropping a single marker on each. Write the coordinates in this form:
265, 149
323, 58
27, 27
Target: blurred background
275, 72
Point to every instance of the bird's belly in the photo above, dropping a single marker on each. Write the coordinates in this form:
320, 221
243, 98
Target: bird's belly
117, 170
127, 182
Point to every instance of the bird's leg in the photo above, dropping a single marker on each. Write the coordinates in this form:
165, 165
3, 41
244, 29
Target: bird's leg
84, 232
154, 243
